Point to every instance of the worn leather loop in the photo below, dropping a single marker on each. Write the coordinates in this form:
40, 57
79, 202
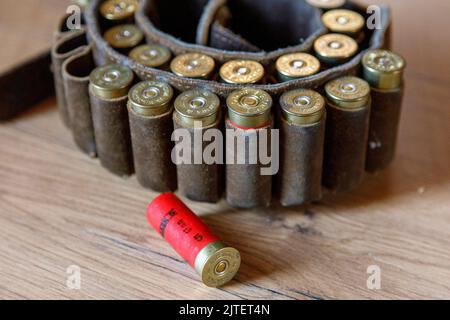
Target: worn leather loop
68, 44
76, 71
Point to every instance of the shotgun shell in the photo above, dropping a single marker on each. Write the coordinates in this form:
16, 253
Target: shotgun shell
302, 130
249, 108
215, 262
151, 125
302, 106
111, 81
199, 106
242, 72
119, 10
108, 90
344, 21
383, 69
249, 119
384, 72
193, 65
348, 113
150, 98
296, 65
124, 37
197, 112
333, 48
326, 4
153, 56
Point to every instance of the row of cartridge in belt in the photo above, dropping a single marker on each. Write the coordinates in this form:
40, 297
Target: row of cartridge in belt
332, 49
329, 137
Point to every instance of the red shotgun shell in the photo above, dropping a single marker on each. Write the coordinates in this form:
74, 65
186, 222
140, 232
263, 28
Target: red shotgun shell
214, 261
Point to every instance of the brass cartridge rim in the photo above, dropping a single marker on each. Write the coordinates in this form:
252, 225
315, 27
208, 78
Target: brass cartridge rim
124, 36
150, 98
383, 69
302, 106
242, 72
217, 264
116, 10
197, 107
335, 46
111, 81
153, 56
326, 4
343, 21
249, 108
193, 65
348, 92
297, 65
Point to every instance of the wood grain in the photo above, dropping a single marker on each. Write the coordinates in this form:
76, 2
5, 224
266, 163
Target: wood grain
59, 208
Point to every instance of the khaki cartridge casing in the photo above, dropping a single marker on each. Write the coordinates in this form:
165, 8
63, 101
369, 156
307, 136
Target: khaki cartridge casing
242, 72
115, 12
108, 91
193, 65
296, 65
124, 37
346, 135
150, 113
249, 117
347, 22
302, 134
383, 70
153, 56
333, 49
197, 114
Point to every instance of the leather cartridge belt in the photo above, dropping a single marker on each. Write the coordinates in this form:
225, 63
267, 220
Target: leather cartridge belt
258, 31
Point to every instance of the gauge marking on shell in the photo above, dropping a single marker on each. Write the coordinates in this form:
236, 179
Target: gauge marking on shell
350, 92
334, 45
249, 108
302, 106
124, 36
112, 80
297, 65
242, 72
118, 9
197, 105
150, 98
342, 20
151, 55
383, 69
193, 65
326, 4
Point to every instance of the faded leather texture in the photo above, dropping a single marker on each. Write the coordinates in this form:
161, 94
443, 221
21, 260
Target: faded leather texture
245, 186
152, 147
112, 134
384, 125
152, 16
76, 71
299, 180
346, 138
200, 182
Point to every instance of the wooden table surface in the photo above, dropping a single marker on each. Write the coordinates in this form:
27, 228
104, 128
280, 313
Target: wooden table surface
59, 208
